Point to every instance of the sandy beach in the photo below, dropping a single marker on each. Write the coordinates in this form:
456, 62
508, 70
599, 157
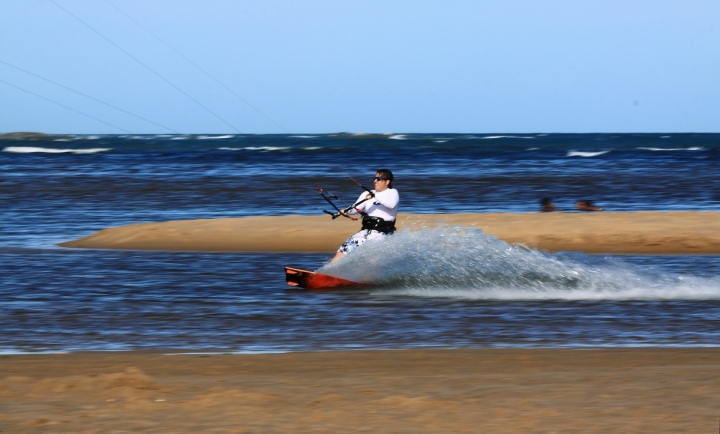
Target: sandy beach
600, 232
418, 391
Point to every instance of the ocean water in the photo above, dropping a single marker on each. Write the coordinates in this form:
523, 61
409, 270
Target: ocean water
446, 288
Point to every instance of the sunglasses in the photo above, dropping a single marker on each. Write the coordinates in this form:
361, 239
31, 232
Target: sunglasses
377, 178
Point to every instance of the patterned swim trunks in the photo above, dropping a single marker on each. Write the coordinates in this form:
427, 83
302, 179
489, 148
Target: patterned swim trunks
359, 238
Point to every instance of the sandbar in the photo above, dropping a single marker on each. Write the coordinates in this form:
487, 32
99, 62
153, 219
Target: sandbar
632, 390
682, 232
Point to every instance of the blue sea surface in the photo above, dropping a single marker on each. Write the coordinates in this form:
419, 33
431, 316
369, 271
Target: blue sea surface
447, 288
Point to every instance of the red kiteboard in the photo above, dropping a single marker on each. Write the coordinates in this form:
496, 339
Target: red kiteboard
317, 281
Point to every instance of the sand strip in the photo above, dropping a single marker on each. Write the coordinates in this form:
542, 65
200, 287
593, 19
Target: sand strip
407, 391
601, 232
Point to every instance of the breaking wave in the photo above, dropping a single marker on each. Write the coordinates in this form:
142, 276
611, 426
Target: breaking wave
585, 154
225, 136
32, 150
507, 137
694, 148
465, 263
258, 148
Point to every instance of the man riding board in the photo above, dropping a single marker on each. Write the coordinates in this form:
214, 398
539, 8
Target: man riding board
379, 211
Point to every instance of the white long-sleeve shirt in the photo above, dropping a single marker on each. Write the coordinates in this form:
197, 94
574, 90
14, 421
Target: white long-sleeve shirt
383, 205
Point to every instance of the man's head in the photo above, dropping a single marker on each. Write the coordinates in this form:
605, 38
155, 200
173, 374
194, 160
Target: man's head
383, 179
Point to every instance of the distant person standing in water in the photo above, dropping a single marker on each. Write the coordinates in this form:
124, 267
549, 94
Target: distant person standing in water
586, 205
546, 205
379, 211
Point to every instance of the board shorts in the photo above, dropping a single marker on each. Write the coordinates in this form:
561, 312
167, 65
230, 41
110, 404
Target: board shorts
359, 238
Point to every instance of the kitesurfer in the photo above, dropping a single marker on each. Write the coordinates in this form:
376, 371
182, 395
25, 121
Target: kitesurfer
379, 211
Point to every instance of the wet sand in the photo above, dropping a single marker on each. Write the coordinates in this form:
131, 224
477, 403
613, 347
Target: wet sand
406, 391
598, 232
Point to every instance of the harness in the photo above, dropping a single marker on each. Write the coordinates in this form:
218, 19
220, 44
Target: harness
378, 224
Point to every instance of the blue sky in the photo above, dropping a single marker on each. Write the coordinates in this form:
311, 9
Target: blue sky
322, 66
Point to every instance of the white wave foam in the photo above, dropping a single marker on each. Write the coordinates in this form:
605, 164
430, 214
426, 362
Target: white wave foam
398, 137
507, 137
465, 263
672, 149
31, 150
643, 293
226, 136
258, 148
660, 149
585, 154
267, 148
304, 137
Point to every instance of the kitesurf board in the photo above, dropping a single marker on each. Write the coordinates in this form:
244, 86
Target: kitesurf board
317, 281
